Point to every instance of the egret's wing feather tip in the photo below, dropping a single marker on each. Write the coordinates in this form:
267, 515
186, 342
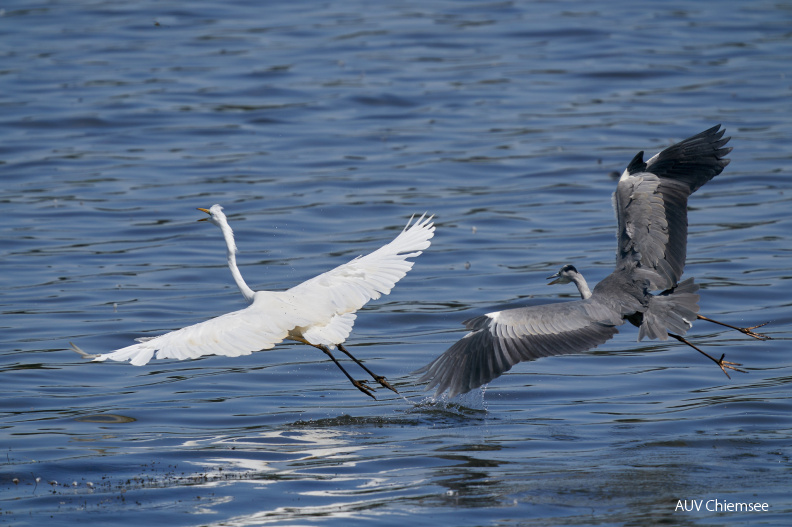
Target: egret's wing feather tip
82, 353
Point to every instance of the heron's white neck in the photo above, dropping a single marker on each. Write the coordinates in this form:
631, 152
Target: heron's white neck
231, 247
581, 284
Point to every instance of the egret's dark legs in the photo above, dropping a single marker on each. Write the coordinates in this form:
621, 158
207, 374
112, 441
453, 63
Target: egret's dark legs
360, 385
379, 378
720, 362
747, 331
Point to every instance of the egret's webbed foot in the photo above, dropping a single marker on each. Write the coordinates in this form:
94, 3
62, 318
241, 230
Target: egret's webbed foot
724, 364
360, 385
364, 387
379, 378
747, 331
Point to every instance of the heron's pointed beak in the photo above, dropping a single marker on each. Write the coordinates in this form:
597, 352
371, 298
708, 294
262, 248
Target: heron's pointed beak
206, 211
556, 281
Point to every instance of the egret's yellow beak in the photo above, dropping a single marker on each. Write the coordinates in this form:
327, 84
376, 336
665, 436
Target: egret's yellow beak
206, 211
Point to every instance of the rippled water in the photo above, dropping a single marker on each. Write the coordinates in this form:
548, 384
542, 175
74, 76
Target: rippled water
322, 127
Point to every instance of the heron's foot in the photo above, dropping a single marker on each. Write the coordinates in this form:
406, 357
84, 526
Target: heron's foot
746, 331
724, 364
757, 336
380, 379
364, 387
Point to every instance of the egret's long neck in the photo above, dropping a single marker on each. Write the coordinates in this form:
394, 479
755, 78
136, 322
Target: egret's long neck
582, 286
231, 247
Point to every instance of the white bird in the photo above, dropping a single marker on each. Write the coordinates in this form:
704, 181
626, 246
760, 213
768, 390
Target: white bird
319, 312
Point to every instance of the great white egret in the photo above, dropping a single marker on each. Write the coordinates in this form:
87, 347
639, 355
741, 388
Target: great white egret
319, 312
651, 208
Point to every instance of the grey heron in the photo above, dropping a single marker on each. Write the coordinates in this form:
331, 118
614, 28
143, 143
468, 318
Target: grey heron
651, 208
319, 312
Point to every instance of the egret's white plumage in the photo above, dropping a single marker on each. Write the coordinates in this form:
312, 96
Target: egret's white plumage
319, 311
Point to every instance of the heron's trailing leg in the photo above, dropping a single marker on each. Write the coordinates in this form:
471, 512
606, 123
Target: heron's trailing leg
720, 362
379, 378
360, 385
747, 331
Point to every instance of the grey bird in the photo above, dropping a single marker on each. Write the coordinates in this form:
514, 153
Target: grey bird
651, 209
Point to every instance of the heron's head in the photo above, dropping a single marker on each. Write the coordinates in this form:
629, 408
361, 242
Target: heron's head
564, 275
216, 215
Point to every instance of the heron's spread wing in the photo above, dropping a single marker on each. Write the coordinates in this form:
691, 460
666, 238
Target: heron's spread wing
651, 203
349, 287
694, 161
261, 325
497, 341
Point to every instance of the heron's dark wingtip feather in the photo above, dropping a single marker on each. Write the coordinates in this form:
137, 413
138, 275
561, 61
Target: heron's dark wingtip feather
637, 164
693, 161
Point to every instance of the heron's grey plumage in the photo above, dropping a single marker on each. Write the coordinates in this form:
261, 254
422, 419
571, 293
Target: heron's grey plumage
497, 341
651, 203
651, 208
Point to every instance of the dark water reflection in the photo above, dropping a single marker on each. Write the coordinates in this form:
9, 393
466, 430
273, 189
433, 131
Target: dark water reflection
322, 128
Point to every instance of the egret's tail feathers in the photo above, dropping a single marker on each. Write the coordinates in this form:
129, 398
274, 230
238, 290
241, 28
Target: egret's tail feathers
334, 332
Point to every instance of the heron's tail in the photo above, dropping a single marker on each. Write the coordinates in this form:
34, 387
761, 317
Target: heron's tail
671, 311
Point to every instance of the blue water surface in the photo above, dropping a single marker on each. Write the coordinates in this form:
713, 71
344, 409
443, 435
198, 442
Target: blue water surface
322, 127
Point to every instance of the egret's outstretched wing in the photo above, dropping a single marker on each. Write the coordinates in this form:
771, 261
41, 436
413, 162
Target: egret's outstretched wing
497, 341
651, 204
261, 325
349, 287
